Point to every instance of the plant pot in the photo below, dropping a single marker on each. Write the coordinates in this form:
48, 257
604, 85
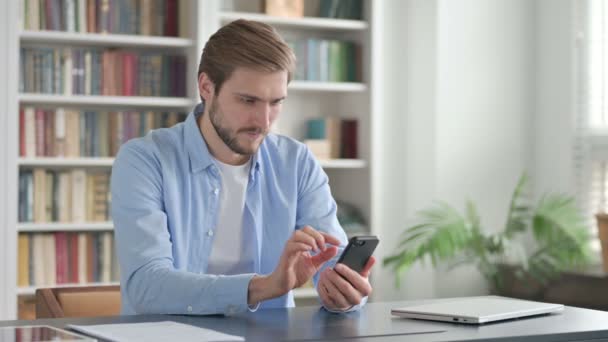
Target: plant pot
525, 287
602, 229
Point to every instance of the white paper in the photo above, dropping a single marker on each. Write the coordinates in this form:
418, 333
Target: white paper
153, 331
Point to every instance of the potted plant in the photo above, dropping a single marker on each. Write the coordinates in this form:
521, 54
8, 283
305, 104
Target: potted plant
560, 241
602, 233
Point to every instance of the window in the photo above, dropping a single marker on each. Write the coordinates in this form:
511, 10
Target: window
591, 145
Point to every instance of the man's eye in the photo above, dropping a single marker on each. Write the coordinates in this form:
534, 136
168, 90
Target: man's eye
277, 102
247, 100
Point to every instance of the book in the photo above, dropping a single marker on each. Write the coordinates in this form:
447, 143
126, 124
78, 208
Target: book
62, 132
284, 8
108, 71
326, 129
79, 188
320, 148
349, 139
48, 259
135, 17
327, 60
23, 261
40, 196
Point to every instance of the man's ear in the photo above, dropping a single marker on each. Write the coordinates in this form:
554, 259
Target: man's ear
206, 88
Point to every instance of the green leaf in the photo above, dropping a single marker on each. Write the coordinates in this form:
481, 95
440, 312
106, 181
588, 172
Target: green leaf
519, 211
440, 234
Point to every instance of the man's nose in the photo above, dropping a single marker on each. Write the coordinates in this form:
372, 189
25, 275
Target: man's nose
263, 116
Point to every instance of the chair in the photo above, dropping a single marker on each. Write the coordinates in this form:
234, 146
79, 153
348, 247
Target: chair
88, 301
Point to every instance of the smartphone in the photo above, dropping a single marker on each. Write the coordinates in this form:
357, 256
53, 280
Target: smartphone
358, 251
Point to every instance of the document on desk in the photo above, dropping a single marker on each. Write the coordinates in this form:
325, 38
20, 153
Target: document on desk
152, 332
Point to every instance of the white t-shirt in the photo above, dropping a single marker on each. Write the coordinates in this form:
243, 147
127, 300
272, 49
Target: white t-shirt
232, 251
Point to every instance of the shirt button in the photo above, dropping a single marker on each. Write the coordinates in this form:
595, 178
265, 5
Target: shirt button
189, 308
210, 232
216, 191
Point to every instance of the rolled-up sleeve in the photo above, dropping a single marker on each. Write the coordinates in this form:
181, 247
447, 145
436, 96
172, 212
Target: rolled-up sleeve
149, 281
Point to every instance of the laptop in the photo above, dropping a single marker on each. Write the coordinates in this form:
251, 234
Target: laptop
477, 310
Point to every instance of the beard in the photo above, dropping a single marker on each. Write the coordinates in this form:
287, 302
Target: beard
230, 136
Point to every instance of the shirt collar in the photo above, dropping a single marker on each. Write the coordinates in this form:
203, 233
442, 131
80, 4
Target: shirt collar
198, 152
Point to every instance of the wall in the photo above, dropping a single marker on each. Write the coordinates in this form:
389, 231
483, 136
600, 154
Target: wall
405, 176
459, 95
555, 107
485, 89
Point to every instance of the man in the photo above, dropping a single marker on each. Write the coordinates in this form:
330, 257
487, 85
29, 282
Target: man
216, 215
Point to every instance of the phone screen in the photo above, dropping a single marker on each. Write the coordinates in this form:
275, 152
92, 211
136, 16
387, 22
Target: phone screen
358, 251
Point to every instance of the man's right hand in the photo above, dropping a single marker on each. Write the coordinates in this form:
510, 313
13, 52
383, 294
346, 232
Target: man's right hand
296, 265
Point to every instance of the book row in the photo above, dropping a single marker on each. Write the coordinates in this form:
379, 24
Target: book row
327, 60
63, 196
330, 138
90, 71
66, 258
139, 17
74, 133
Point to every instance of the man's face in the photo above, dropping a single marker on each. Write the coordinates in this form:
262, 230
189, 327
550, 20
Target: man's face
246, 106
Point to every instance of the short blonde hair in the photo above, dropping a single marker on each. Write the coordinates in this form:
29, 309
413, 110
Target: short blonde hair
245, 43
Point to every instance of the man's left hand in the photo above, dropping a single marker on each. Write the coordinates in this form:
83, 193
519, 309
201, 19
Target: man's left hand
341, 288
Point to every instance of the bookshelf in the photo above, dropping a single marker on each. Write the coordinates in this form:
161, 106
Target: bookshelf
309, 23
342, 87
66, 162
97, 39
64, 227
350, 178
31, 290
107, 162
105, 101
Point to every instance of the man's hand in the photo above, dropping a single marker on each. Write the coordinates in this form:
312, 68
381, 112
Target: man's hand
296, 265
341, 288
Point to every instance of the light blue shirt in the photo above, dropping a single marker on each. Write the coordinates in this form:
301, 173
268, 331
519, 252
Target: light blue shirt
165, 210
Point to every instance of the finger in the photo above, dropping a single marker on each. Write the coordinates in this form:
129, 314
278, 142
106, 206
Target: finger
319, 238
295, 249
300, 236
331, 239
352, 296
334, 294
360, 283
321, 258
368, 267
323, 293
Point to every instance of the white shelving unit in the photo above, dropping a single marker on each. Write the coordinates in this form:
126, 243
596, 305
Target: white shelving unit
341, 87
343, 164
95, 39
107, 162
66, 162
31, 290
62, 226
106, 101
305, 293
310, 23
350, 179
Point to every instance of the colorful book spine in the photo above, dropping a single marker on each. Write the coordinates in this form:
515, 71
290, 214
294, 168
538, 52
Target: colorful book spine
327, 60
49, 259
135, 17
87, 71
64, 132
